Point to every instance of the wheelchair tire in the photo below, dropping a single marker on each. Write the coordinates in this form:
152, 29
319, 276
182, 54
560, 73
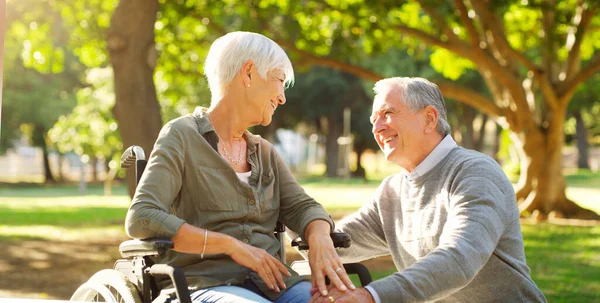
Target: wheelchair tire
107, 285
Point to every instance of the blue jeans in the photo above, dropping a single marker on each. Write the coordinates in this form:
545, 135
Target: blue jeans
299, 293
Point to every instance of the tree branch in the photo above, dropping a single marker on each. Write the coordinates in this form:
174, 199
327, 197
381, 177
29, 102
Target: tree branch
496, 28
463, 14
431, 40
342, 66
497, 37
470, 97
448, 89
568, 88
441, 24
581, 24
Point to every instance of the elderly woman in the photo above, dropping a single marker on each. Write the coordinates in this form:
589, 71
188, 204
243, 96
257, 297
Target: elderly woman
217, 190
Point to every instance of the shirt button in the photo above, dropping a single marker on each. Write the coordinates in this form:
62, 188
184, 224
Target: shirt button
246, 241
251, 201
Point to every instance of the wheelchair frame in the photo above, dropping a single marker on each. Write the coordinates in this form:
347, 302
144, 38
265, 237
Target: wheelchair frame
136, 271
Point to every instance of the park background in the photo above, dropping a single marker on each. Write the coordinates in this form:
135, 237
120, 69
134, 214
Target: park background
84, 79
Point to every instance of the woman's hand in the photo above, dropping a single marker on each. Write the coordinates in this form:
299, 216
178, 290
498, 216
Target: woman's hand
268, 267
324, 260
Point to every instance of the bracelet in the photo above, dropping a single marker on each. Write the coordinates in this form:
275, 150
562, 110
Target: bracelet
204, 249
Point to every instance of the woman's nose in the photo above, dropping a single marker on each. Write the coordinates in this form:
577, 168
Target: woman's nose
281, 98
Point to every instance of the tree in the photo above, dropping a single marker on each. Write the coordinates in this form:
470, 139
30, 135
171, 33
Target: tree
532, 58
584, 100
319, 98
90, 130
39, 89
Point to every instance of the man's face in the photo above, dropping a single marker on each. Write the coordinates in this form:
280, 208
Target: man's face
398, 132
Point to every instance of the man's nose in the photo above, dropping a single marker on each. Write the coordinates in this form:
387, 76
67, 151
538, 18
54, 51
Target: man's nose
378, 126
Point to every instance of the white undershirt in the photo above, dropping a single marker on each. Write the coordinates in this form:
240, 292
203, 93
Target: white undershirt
244, 177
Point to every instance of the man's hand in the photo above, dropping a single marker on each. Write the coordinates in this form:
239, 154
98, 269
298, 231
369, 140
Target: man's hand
324, 260
359, 295
268, 267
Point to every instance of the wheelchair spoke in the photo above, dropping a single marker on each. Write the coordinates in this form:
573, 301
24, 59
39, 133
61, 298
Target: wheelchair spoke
107, 286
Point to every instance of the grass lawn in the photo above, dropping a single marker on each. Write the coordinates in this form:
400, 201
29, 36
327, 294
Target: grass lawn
565, 260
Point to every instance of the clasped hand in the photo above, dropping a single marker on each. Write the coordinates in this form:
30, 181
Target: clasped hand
269, 268
325, 262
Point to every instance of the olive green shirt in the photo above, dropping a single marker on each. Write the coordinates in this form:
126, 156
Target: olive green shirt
187, 180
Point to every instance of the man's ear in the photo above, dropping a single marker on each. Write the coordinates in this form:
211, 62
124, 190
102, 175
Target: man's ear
246, 72
430, 114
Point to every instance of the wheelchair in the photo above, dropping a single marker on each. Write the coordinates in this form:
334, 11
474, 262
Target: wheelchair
132, 280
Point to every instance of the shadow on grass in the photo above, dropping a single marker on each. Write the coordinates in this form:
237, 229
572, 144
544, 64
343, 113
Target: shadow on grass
51, 269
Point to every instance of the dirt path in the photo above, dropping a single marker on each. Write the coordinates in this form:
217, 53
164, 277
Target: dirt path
38, 269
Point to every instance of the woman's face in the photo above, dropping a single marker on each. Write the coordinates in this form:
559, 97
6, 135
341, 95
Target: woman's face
265, 95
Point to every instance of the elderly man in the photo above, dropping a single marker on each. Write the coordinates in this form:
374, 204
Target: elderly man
450, 220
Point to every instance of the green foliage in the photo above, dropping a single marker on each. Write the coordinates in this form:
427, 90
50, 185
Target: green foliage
90, 129
40, 75
587, 99
507, 155
450, 65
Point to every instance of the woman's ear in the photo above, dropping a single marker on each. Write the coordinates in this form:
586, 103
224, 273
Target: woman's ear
430, 114
247, 72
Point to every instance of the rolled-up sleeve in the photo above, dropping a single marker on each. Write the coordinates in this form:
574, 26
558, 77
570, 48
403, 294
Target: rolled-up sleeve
148, 215
297, 209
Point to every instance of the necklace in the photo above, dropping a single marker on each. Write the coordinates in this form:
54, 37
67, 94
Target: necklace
226, 153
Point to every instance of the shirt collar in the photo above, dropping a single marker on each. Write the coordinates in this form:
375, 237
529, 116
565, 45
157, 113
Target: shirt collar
434, 158
205, 127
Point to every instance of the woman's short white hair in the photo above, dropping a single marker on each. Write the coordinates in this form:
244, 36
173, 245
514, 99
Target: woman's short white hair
418, 93
229, 52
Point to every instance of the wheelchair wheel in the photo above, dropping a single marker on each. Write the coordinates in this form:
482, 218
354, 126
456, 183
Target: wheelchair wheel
107, 285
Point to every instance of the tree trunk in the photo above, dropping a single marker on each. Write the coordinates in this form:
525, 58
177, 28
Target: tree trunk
496, 142
467, 131
359, 149
130, 42
581, 137
48, 177
334, 131
94, 164
39, 139
61, 173
541, 187
478, 144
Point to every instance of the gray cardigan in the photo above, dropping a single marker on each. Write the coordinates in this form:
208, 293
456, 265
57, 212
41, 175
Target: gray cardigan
453, 233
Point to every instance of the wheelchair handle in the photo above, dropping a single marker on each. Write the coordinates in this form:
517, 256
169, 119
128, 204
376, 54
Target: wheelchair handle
134, 154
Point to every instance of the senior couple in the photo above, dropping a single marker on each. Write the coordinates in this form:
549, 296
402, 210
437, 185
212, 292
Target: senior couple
449, 220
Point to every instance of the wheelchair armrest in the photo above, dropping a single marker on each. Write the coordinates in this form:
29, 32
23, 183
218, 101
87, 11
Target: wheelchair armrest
147, 247
339, 240
177, 277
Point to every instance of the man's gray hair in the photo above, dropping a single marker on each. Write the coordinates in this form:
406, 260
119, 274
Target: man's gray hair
229, 52
418, 93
